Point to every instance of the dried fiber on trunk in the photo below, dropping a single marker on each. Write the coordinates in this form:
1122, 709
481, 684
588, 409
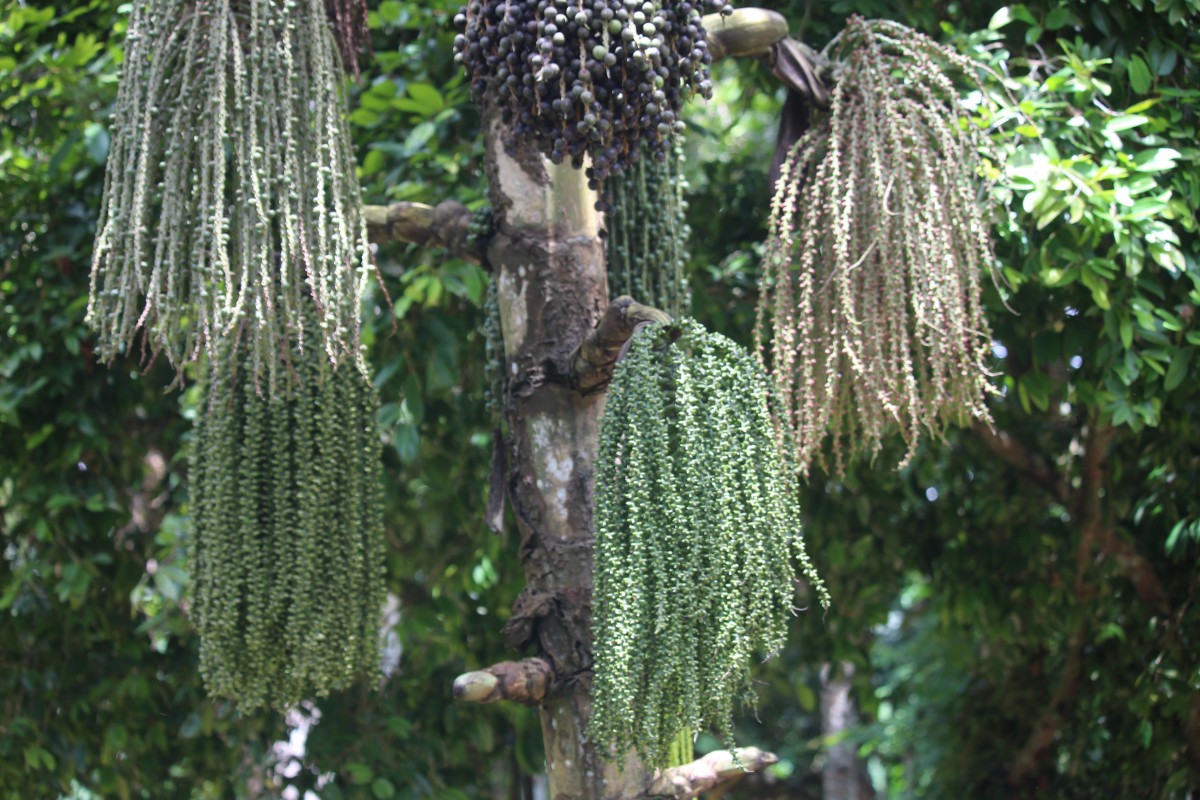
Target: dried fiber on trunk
230, 198
646, 247
288, 533
696, 532
870, 315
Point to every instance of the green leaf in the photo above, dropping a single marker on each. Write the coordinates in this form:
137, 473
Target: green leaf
419, 137
373, 162
383, 789
40, 436
1183, 529
1125, 121
391, 10
96, 142
1145, 732
1050, 213
38, 757
399, 726
1162, 58
116, 737
806, 697
364, 117
359, 772
1178, 369
1157, 160
1057, 18
1007, 14
1139, 75
429, 98
407, 442
407, 104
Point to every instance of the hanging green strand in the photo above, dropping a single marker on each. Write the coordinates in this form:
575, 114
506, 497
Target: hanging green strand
493, 339
646, 247
696, 532
286, 511
230, 197
871, 286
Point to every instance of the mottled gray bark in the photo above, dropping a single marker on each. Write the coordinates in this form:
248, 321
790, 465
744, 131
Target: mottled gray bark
549, 263
843, 776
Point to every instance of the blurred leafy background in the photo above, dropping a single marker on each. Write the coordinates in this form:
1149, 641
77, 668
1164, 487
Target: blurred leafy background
1012, 619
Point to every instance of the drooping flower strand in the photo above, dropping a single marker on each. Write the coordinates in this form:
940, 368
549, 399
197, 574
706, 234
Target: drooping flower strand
696, 532
286, 509
870, 316
230, 198
646, 248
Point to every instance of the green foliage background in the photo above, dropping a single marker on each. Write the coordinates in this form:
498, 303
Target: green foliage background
961, 593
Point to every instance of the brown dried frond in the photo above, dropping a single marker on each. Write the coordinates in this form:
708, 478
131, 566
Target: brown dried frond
870, 318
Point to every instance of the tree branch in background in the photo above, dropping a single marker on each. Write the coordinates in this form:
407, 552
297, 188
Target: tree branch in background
1094, 532
524, 681
1087, 508
445, 225
719, 766
1101, 534
598, 355
1037, 746
747, 32
1028, 465
1085, 503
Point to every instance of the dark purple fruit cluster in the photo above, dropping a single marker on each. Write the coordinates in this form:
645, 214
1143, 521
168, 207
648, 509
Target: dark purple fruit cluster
588, 77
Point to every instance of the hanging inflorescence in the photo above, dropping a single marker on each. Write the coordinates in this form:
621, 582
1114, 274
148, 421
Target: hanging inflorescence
230, 198
588, 78
871, 277
696, 531
646, 248
493, 341
286, 509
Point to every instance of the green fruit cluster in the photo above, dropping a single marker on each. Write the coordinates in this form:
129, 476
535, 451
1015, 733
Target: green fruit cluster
289, 551
697, 532
647, 248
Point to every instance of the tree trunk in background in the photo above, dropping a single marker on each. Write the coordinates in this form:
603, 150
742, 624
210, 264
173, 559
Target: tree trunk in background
549, 263
843, 776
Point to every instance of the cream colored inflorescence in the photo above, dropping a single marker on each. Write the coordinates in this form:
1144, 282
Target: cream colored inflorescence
230, 200
697, 531
870, 317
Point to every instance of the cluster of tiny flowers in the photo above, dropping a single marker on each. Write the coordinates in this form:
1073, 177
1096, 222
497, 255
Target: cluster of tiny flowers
287, 526
697, 532
230, 198
871, 285
588, 77
647, 234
